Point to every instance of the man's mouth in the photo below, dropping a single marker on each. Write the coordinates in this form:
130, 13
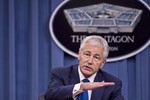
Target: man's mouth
88, 68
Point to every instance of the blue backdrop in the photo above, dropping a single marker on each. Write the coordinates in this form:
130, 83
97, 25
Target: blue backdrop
27, 54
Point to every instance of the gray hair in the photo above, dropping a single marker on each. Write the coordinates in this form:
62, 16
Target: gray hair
97, 41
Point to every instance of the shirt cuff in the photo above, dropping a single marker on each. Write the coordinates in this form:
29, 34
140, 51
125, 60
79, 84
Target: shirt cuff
76, 91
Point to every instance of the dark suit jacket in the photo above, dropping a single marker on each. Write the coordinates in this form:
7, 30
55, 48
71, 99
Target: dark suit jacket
63, 80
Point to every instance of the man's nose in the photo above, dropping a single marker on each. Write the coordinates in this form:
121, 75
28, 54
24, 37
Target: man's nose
90, 60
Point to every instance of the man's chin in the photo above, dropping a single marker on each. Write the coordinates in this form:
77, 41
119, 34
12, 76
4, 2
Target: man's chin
87, 74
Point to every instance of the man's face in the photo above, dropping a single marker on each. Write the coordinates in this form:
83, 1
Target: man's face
90, 59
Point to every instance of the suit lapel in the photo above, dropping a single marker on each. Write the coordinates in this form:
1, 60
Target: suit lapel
74, 76
97, 93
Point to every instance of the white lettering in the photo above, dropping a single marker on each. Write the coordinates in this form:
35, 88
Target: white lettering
113, 48
77, 38
119, 39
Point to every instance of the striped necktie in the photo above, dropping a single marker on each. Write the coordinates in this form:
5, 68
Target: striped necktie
84, 94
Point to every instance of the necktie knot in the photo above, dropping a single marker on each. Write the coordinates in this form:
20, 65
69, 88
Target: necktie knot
85, 80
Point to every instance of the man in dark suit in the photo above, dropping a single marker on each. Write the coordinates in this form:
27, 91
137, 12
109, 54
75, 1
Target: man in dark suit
66, 82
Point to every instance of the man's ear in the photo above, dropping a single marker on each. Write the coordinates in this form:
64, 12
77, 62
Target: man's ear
104, 61
79, 55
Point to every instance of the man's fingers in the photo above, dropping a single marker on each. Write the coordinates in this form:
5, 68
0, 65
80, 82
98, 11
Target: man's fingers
102, 84
94, 85
106, 83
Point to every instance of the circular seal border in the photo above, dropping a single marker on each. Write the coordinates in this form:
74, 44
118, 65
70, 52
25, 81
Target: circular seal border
75, 55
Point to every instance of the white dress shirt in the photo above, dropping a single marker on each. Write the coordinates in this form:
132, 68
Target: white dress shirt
76, 88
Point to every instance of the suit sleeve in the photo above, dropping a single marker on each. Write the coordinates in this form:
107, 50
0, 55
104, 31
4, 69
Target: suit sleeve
58, 89
117, 95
